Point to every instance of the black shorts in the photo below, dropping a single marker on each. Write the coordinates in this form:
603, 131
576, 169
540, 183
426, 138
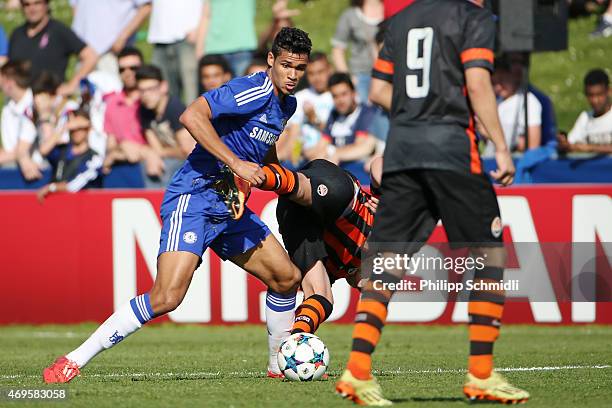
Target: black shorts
301, 227
413, 201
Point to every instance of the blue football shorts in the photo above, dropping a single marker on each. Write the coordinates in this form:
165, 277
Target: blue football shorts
198, 220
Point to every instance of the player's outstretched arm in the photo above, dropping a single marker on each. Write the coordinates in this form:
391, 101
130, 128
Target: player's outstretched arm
197, 120
482, 98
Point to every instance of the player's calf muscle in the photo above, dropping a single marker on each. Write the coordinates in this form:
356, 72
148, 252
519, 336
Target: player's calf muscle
166, 300
270, 263
174, 273
495, 256
316, 281
285, 278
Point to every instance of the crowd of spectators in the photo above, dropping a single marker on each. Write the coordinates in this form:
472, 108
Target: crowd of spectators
116, 109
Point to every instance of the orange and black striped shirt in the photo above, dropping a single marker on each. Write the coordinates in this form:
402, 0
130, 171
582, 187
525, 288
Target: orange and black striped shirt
345, 238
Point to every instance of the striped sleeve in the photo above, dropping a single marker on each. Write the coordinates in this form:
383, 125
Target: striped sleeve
383, 69
90, 173
479, 37
241, 96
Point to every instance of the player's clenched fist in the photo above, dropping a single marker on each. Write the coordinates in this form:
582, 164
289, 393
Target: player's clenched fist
249, 171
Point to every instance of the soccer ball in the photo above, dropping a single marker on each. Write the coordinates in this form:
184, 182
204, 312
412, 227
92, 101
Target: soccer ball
303, 357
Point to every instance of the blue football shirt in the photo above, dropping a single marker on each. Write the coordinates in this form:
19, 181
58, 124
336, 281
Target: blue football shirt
248, 117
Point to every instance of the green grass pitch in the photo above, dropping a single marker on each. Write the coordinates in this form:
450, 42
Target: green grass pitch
421, 366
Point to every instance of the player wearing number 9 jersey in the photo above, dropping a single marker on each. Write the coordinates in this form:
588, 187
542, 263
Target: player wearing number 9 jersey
432, 123
433, 74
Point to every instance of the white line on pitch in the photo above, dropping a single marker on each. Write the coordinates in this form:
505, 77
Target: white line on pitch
43, 334
255, 374
506, 369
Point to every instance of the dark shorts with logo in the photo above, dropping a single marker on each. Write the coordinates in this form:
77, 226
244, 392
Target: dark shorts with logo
413, 201
303, 228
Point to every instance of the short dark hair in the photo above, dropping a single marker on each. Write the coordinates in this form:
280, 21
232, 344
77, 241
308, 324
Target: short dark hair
80, 112
149, 72
293, 40
596, 77
214, 59
46, 82
130, 51
318, 56
340, 78
18, 71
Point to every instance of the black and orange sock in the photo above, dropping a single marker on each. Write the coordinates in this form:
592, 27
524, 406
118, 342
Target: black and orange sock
485, 311
311, 313
370, 319
279, 179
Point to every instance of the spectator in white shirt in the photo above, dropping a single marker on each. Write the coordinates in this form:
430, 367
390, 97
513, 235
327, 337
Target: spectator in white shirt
108, 26
511, 110
18, 130
592, 132
173, 31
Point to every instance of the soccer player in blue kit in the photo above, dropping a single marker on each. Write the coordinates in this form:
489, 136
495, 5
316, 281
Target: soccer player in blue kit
236, 127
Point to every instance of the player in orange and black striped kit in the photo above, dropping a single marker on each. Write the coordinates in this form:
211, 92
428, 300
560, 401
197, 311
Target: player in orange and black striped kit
325, 218
433, 74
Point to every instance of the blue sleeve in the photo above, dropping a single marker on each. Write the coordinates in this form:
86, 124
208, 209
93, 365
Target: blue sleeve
238, 97
292, 106
3, 43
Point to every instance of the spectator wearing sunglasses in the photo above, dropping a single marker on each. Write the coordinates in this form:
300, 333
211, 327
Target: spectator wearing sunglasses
126, 139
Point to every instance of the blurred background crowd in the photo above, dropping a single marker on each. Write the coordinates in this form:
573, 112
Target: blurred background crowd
93, 90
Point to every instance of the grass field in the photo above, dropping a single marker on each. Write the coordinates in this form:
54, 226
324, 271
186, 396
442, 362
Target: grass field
420, 366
